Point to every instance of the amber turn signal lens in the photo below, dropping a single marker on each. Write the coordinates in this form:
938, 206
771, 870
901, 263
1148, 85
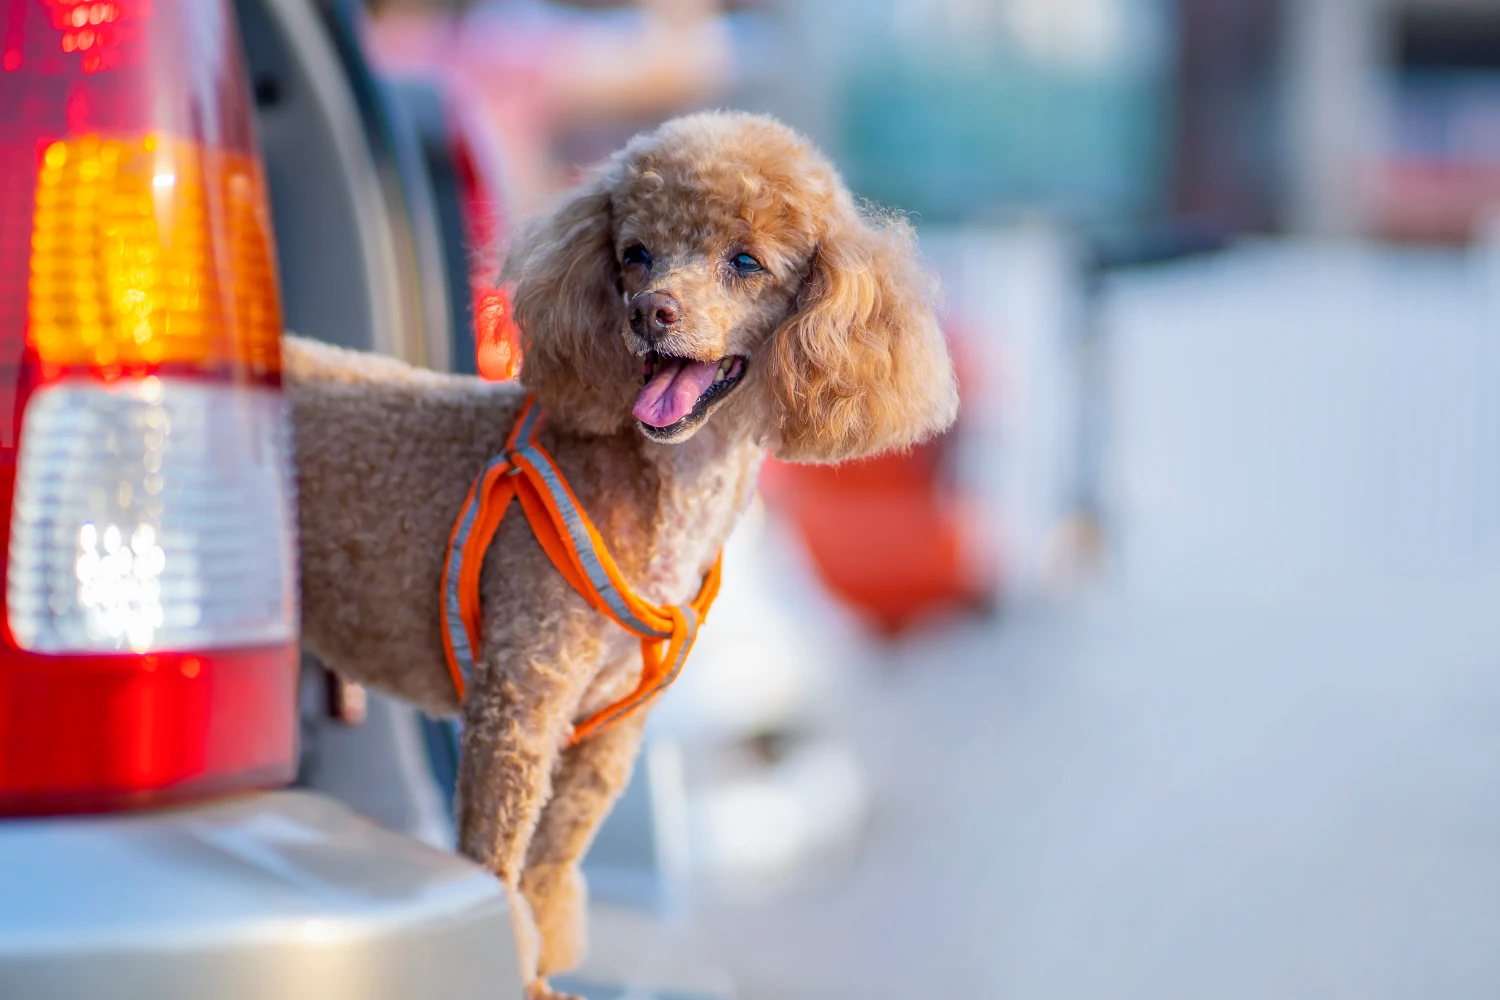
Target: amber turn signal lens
151, 252
497, 336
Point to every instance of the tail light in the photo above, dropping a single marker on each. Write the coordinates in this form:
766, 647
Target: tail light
149, 637
497, 339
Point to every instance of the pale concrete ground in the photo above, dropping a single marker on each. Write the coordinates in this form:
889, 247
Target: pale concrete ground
1262, 758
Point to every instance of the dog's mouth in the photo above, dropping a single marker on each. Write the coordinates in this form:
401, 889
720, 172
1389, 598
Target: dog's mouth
678, 392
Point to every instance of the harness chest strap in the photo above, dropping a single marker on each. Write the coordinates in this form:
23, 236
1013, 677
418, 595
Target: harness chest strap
525, 472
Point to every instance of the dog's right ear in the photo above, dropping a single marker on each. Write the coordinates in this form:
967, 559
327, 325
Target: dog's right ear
568, 304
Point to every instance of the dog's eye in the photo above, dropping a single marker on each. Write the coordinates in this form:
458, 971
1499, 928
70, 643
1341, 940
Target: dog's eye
745, 264
637, 255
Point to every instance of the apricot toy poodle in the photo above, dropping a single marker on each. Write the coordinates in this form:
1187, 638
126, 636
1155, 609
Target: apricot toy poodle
711, 295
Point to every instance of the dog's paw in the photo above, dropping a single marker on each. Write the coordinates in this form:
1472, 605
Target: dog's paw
539, 990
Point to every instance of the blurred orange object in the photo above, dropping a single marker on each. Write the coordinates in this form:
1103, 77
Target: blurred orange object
497, 339
889, 536
883, 539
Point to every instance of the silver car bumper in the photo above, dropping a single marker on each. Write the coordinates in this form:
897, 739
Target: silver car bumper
275, 896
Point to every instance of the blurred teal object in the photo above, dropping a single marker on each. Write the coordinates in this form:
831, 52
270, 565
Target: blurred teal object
956, 135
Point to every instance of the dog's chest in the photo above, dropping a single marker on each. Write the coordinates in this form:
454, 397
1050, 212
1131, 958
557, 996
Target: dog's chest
702, 493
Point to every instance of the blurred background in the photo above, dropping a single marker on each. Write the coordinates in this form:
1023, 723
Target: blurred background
1171, 671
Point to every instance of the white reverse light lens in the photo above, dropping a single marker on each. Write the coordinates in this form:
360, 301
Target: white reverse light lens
152, 514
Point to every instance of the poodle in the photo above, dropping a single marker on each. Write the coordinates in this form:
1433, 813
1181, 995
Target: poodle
711, 294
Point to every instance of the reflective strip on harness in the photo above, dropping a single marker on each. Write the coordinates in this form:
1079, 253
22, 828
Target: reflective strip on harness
526, 472
582, 544
458, 637
614, 713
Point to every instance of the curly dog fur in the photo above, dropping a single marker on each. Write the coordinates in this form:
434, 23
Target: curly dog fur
843, 358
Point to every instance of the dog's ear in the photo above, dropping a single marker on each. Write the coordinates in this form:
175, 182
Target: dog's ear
568, 304
861, 366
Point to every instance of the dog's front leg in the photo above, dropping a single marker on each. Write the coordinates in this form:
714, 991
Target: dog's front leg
589, 778
517, 716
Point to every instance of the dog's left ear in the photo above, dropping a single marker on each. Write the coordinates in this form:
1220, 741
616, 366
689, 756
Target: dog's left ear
862, 367
568, 305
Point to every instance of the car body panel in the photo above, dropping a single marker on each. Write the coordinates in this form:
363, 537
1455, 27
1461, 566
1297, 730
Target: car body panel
259, 897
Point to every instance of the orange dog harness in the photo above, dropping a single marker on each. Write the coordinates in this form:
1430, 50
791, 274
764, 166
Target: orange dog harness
526, 472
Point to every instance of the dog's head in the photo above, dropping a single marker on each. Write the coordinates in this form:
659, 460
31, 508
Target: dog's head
717, 269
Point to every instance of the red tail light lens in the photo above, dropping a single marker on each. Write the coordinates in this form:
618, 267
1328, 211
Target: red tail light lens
497, 339
149, 642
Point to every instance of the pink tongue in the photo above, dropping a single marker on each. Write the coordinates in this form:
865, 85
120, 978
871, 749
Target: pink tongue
673, 390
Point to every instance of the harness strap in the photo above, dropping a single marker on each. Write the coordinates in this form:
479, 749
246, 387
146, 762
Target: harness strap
526, 473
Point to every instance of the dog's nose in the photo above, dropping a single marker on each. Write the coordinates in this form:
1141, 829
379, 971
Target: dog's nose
653, 314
